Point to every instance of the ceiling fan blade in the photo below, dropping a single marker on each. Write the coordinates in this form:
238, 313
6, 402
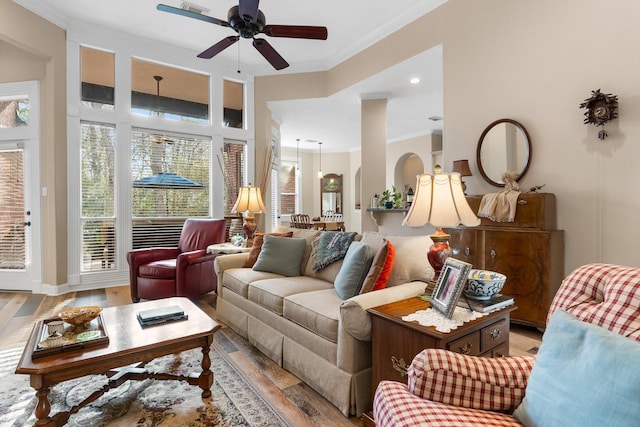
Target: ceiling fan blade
188, 14
270, 54
249, 10
296, 31
218, 47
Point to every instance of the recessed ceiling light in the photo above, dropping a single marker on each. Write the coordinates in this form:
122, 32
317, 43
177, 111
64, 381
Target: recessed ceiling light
435, 118
414, 80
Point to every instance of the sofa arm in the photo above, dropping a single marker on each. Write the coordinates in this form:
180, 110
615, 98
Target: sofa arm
227, 262
353, 312
468, 381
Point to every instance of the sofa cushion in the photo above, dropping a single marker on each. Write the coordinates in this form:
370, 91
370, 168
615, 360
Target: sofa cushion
305, 234
331, 246
356, 264
238, 279
410, 262
583, 375
270, 293
258, 240
380, 270
281, 255
317, 311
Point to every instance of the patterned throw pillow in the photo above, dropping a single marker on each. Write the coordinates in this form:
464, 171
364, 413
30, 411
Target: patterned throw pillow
332, 246
257, 247
380, 269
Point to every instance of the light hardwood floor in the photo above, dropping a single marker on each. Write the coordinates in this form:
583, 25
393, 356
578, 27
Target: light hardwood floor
294, 399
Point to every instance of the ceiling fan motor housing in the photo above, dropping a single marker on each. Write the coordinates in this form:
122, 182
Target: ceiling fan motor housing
244, 28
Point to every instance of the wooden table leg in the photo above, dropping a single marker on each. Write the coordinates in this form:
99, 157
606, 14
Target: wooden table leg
206, 376
43, 407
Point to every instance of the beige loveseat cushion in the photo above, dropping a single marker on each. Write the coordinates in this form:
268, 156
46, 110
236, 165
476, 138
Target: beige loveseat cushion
410, 261
317, 311
270, 293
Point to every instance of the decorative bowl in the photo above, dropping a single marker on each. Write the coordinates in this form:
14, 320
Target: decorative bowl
483, 284
80, 317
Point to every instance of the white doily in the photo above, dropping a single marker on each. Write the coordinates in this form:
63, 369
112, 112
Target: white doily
431, 317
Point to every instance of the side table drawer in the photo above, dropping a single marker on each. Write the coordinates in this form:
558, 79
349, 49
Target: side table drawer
494, 335
469, 344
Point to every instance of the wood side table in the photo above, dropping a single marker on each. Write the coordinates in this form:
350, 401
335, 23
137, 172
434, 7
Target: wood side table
396, 342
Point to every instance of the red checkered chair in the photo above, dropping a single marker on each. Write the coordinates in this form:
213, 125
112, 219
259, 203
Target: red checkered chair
449, 389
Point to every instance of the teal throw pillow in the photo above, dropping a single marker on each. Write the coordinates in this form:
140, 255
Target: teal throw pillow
281, 255
584, 375
355, 267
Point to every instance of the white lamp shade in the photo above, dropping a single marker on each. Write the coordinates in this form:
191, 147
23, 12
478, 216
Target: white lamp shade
249, 199
439, 200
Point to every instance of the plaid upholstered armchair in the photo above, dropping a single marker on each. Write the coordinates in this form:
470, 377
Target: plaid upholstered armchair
449, 389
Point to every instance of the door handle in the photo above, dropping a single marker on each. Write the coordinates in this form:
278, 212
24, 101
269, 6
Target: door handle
27, 223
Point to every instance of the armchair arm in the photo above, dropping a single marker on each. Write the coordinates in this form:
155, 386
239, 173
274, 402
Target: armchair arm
395, 406
468, 381
353, 312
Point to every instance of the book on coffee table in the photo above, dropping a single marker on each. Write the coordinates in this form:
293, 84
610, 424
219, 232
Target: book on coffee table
494, 303
156, 316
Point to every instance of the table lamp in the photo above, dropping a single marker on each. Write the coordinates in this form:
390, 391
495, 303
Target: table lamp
462, 167
250, 202
440, 201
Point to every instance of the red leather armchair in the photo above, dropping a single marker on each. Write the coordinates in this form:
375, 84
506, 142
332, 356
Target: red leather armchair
183, 271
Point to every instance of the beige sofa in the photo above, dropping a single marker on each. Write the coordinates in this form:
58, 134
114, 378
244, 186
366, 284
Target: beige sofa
302, 323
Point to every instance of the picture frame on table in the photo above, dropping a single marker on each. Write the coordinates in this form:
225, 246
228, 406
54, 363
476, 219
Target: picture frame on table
449, 287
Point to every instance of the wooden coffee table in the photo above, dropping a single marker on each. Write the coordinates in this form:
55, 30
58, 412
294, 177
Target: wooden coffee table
128, 344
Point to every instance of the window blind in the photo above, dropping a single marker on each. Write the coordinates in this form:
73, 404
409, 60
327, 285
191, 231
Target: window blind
12, 210
98, 195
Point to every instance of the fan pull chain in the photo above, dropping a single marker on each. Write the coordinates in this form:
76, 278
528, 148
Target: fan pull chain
239, 43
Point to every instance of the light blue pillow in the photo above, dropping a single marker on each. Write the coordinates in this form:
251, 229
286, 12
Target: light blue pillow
281, 255
584, 375
354, 269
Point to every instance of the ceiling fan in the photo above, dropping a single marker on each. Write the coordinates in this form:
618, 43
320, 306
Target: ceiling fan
248, 21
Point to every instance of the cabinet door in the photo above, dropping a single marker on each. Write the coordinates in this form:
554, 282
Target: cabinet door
463, 243
524, 257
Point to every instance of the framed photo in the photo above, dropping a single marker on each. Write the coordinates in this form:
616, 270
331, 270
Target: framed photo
451, 282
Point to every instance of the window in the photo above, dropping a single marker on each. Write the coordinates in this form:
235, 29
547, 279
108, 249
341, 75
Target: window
171, 182
97, 188
97, 76
233, 102
170, 93
234, 168
14, 112
288, 193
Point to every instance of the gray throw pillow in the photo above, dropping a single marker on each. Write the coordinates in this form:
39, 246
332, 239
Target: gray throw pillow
281, 255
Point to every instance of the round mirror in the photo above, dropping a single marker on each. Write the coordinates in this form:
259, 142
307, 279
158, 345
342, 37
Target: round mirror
504, 146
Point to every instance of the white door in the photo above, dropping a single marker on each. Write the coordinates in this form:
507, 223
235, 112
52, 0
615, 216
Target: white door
20, 259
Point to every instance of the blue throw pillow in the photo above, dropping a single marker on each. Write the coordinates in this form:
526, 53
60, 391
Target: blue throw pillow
281, 255
354, 269
584, 375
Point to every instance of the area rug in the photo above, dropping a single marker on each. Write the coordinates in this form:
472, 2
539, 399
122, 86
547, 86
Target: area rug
234, 402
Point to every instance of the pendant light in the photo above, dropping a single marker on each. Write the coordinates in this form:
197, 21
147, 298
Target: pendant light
298, 157
320, 150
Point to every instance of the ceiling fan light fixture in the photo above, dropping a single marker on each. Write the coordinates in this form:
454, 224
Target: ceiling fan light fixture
195, 8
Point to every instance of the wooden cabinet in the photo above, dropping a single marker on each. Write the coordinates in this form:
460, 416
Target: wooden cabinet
529, 251
396, 342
